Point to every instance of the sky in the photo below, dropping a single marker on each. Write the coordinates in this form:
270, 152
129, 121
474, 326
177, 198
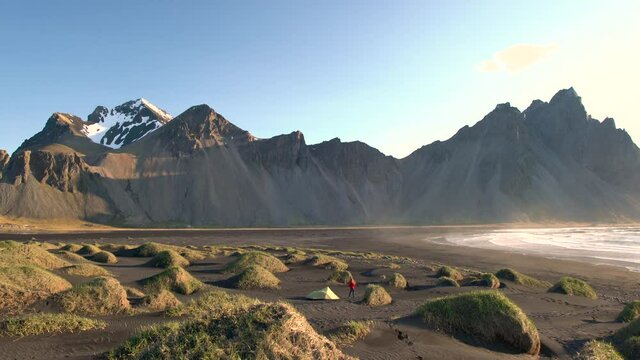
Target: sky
396, 75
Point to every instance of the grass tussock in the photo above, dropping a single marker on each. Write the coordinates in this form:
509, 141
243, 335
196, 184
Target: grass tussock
397, 280
88, 250
448, 271
255, 277
71, 257
631, 347
376, 295
340, 277
160, 301
174, 279
168, 258
485, 315
445, 281
133, 292
22, 286
17, 255
628, 339
295, 258
485, 280
598, 350
265, 260
152, 249
104, 257
74, 248
263, 331
327, 262
351, 331
36, 324
574, 287
85, 270
99, 296
630, 312
521, 279
213, 303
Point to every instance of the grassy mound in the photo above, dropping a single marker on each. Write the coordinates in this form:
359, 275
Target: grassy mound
521, 279
104, 257
267, 261
133, 292
397, 280
213, 302
160, 301
575, 287
255, 277
448, 271
444, 281
85, 270
71, 247
168, 258
376, 295
327, 262
9, 244
17, 255
88, 250
485, 315
628, 339
630, 312
294, 258
152, 249
264, 331
174, 279
486, 280
22, 286
631, 347
100, 296
598, 350
340, 276
351, 331
36, 324
71, 257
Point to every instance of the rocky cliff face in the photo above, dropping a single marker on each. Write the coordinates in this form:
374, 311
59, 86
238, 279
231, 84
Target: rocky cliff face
551, 162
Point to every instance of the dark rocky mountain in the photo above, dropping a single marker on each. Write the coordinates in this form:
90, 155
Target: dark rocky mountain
551, 162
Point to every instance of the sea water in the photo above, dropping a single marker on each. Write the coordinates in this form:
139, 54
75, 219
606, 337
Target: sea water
618, 246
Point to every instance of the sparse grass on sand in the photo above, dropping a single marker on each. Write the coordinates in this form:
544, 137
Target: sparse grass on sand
397, 280
152, 249
88, 250
71, 257
22, 286
174, 279
448, 271
99, 296
376, 295
104, 257
14, 254
521, 279
85, 270
213, 303
327, 262
255, 277
35, 324
340, 276
485, 315
168, 258
598, 350
485, 280
630, 312
628, 340
445, 281
267, 261
351, 331
262, 331
160, 301
572, 286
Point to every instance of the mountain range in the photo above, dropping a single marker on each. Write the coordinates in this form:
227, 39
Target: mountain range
136, 165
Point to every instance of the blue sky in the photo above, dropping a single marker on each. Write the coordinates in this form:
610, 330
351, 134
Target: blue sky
394, 74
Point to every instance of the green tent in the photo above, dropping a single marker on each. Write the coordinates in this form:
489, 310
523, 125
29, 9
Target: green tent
323, 294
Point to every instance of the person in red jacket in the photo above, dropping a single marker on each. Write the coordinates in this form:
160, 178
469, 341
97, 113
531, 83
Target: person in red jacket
352, 288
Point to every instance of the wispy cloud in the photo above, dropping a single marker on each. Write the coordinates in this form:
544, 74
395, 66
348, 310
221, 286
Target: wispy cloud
516, 58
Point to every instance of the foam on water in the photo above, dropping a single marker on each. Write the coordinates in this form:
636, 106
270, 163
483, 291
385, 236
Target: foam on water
600, 245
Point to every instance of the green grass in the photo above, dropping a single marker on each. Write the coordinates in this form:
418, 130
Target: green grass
174, 279
487, 316
160, 301
168, 258
22, 286
88, 250
328, 262
631, 347
104, 257
255, 277
351, 331
445, 281
152, 249
213, 303
631, 330
340, 277
265, 260
575, 287
99, 296
16, 255
448, 271
397, 280
263, 331
521, 279
294, 258
71, 257
71, 247
486, 280
42, 323
630, 312
85, 270
598, 350
376, 295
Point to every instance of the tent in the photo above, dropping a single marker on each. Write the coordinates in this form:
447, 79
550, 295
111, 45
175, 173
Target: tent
323, 294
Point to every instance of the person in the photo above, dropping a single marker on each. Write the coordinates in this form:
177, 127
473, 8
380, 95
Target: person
352, 288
